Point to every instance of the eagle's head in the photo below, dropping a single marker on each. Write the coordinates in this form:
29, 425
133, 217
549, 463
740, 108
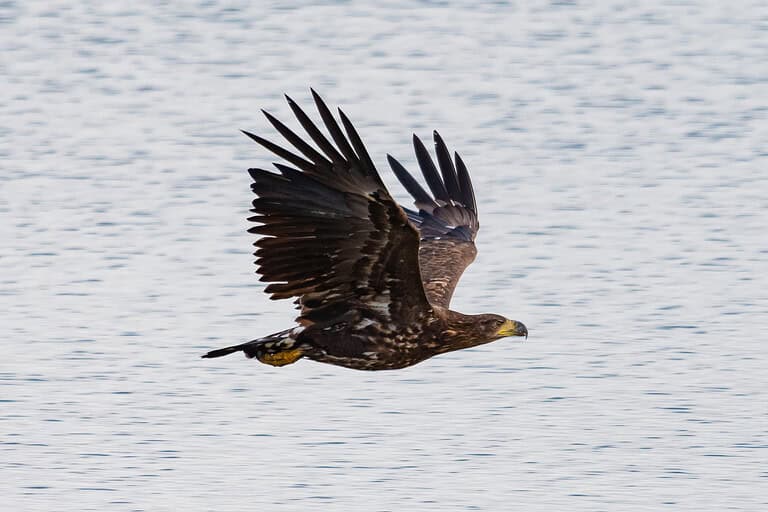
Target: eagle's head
493, 327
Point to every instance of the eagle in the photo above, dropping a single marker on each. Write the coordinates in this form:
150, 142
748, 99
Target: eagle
373, 280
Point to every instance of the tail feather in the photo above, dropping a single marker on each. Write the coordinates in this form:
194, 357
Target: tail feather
276, 349
225, 351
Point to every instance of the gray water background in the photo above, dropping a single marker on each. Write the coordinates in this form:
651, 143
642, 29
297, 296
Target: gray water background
619, 154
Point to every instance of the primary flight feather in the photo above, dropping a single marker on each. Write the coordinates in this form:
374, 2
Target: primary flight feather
373, 280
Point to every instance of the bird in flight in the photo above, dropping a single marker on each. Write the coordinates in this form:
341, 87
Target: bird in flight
373, 280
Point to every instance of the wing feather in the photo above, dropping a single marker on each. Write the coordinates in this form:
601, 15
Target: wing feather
333, 236
422, 198
447, 224
333, 128
446, 167
429, 171
316, 135
467, 191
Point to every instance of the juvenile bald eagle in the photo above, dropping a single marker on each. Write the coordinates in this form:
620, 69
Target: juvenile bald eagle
373, 280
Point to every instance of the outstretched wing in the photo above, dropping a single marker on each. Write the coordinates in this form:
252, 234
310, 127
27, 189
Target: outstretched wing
447, 220
335, 238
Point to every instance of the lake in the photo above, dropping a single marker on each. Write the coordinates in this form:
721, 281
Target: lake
618, 153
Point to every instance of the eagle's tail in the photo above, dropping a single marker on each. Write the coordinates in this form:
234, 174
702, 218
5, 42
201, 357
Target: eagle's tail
276, 349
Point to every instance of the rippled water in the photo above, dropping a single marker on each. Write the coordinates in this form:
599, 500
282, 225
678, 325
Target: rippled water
619, 156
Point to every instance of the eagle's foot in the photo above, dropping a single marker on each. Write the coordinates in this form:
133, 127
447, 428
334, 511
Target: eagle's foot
281, 358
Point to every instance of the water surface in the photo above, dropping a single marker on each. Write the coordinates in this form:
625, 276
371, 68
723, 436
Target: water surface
619, 158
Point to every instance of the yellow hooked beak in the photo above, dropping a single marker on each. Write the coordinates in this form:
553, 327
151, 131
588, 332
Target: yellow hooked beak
513, 328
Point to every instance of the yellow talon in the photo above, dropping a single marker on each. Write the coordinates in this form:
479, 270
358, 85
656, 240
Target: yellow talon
281, 358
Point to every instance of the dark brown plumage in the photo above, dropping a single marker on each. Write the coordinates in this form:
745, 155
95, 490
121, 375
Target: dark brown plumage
373, 281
